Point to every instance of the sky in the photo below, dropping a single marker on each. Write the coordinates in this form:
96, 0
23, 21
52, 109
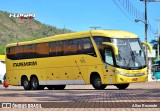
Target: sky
80, 15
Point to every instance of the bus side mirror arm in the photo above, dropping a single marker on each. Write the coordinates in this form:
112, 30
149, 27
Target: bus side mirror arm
115, 48
149, 46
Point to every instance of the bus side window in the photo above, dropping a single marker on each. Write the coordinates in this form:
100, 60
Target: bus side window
66, 47
88, 47
99, 40
53, 49
19, 52
108, 57
60, 48
80, 46
8, 52
11, 53
29, 51
74, 46
70, 48
42, 50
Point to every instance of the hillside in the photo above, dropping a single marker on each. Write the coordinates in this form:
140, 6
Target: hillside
16, 30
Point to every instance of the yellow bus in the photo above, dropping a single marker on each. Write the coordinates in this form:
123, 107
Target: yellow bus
97, 57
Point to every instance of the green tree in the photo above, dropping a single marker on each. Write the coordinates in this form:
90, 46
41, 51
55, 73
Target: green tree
154, 43
2, 50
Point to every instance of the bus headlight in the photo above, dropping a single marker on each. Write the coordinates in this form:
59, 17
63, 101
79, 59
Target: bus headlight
130, 75
118, 72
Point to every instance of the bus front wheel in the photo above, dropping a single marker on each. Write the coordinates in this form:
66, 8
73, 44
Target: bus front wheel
97, 84
35, 83
122, 86
26, 84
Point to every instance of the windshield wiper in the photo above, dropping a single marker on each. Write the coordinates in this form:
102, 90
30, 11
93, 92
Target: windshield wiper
135, 57
121, 60
128, 63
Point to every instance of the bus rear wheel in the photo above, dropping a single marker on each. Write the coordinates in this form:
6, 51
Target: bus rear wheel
26, 84
122, 86
59, 87
97, 84
35, 83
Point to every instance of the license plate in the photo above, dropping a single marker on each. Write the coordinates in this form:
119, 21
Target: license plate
134, 79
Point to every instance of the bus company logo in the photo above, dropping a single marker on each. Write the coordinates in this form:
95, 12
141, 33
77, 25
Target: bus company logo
23, 64
6, 105
22, 16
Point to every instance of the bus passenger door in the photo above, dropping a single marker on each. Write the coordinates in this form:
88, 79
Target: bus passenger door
109, 69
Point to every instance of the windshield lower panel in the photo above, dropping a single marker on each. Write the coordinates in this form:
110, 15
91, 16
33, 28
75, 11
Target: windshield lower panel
131, 54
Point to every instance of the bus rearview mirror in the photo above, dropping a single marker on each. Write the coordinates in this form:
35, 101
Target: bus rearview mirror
115, 48
149, 46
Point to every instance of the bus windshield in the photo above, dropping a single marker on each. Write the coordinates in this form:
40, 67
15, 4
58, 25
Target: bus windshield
131, 54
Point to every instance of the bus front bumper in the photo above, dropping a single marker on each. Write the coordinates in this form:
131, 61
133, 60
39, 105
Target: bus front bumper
124, 79
131, 77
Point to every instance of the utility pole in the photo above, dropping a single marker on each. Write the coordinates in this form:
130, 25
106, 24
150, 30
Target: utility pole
95, 27
145, 21
158, 35
146, 24
146, 29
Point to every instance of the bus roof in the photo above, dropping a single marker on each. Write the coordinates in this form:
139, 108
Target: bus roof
2, 57
107, 33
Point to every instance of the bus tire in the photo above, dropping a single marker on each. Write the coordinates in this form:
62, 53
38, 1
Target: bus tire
50, 87
59, 87
122, 86
35, 83
26, 84
96, 83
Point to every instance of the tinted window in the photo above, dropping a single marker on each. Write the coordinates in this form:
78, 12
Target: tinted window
19, 52
56, 48
85, 46
60, 48
74, 47
88, 47
42, 50
99, 40
80, 46
66, 47
10, 53
53, 49
29, 51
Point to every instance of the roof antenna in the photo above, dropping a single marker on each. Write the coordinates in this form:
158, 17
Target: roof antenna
95, 27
